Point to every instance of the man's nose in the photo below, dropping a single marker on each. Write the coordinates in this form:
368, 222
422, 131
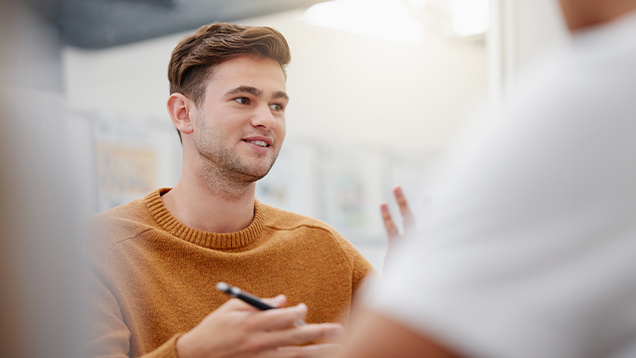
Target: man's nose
263, 117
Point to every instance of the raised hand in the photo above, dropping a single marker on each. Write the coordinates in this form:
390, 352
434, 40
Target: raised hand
408, 219
239, 330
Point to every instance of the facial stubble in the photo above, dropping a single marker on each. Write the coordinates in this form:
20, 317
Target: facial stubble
222, 162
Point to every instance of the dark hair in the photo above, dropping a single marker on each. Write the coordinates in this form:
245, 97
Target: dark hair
193, 60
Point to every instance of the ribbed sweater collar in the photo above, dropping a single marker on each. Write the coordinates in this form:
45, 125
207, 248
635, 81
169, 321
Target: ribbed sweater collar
206, 239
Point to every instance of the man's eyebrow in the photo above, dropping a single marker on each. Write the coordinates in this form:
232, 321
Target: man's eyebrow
255, 92
280, 94
245, 89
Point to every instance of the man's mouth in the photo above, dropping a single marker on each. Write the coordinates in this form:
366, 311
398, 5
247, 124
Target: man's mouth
259, 143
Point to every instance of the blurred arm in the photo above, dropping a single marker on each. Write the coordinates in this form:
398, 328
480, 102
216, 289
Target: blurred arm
374, 335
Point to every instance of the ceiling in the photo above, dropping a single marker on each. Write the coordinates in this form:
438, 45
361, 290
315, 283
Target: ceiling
98, 24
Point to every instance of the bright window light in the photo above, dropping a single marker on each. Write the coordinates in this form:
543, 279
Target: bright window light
470, 17
384, 19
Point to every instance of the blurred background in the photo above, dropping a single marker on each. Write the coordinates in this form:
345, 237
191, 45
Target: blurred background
378, 90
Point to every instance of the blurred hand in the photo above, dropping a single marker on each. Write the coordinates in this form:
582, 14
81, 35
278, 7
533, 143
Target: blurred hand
239, 330
408, 219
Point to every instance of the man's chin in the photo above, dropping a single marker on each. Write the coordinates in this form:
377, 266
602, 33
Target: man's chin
252, 174
257, 170
259, 175
245, 170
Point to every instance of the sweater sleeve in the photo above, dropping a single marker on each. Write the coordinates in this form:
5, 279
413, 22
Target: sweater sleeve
107, 333
360, 267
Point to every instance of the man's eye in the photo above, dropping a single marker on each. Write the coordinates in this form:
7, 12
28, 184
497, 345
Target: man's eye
242, 100
276, 106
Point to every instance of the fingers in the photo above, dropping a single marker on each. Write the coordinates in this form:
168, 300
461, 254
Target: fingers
300, 335
389, 224
278, 301
237, 329
270, 319
407, 214
279, 318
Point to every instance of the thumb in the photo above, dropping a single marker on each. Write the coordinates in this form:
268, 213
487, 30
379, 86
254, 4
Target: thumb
278, 301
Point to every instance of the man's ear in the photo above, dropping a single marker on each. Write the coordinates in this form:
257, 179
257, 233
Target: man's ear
181, 110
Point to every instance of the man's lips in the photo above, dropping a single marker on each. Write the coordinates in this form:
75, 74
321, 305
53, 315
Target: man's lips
260, 141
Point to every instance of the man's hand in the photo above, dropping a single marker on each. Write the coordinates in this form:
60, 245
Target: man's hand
238, 330
408, 219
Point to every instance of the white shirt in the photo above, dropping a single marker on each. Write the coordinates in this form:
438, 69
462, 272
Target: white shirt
530, 247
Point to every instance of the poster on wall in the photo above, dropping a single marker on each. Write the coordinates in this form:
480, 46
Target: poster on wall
125, 160
348, 197
351, 182
280, 186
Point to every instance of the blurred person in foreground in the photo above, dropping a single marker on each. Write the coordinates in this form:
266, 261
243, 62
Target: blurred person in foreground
41, 288
159, 258
530, 246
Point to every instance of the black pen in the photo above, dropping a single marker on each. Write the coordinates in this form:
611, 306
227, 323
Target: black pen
247, 298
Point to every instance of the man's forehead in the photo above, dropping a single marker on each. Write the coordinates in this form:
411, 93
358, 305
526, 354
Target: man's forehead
249, 66
245, 72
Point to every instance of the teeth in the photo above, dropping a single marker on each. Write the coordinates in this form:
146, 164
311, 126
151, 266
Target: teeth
258, 142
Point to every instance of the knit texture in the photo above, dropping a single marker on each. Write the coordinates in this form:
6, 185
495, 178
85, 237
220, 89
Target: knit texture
155, 278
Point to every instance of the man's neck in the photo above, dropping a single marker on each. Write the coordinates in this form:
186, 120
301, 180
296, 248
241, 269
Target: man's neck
211, 206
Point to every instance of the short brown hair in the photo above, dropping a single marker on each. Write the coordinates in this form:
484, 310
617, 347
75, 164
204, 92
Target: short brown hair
193, 60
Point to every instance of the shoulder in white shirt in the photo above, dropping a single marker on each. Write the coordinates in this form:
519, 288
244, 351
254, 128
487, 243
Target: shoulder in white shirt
530, 249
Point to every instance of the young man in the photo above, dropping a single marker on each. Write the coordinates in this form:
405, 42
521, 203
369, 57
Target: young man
158, 259
529, 248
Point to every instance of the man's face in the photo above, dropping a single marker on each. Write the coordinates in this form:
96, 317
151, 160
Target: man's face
240, 126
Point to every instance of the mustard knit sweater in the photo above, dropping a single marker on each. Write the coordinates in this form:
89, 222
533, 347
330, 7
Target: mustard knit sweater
155, 278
